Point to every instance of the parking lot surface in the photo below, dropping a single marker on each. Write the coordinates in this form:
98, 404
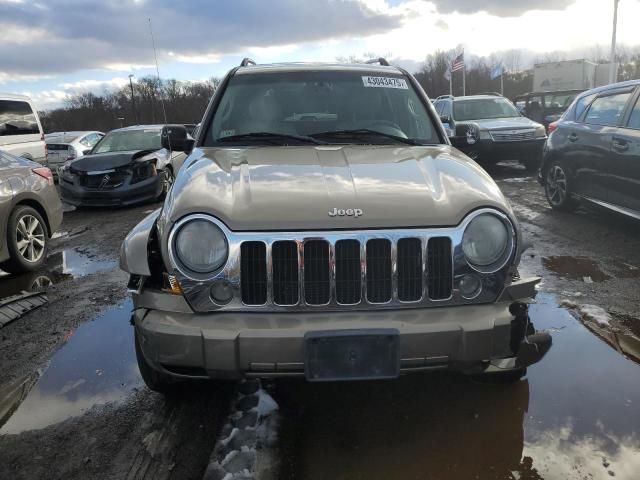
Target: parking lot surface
72, 404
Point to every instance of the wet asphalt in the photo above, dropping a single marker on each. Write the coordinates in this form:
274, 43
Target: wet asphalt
72, 404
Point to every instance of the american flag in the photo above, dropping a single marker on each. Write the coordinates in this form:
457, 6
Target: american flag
458, 63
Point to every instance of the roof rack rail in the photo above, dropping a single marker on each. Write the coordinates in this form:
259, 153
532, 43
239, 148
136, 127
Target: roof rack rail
246, 62
494, 94
444, 96
381, 60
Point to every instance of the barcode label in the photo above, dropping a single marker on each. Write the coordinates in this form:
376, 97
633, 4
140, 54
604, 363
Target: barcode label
385, 82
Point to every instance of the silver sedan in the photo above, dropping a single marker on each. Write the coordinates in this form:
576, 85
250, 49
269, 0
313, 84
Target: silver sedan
30, 211
63, 146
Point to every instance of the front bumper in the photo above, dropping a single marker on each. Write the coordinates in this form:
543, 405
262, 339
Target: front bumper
472, 339
127, 194
490, 151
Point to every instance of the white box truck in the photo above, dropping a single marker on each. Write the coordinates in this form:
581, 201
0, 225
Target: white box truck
566, 75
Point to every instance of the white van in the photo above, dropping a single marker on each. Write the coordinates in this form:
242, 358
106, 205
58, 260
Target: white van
20, 129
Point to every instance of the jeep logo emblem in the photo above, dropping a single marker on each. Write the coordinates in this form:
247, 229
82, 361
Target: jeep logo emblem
349, 212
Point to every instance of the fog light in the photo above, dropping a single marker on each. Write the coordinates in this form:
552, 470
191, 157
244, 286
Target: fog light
221, 292
470, 286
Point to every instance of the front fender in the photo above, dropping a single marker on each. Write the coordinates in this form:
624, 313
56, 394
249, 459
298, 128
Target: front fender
133, 251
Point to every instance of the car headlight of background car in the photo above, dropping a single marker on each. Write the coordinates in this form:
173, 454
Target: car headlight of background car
487, 242
143, 171
198, 246
541, 131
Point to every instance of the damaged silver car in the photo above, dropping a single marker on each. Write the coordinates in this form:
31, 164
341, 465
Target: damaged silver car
324, 227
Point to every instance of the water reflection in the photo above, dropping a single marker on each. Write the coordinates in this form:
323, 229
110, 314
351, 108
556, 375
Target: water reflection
96, 366
575, 416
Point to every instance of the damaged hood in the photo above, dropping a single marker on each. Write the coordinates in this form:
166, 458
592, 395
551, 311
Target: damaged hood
331, 187
113, 160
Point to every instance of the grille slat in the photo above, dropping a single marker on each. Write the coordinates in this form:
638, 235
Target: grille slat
317, 283
513, 136
284, 257
409, 269
378, 270
253, 273
439, 268
348, 279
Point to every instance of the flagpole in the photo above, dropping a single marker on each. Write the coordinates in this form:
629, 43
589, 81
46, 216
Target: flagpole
450, 84
464, 69
502, 82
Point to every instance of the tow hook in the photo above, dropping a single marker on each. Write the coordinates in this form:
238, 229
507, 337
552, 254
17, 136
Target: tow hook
528, 345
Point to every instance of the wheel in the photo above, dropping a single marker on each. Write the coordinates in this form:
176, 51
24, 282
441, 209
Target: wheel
27, 240
510, 376
557, 187
157, 381
167, 181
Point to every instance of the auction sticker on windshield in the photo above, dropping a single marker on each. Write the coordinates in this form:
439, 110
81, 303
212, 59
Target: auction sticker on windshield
385, 82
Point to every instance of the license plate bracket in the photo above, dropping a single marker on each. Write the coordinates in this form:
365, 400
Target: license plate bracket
363, 354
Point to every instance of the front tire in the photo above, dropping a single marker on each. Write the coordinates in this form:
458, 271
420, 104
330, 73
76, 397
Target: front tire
157, 381
27, 240
558, 187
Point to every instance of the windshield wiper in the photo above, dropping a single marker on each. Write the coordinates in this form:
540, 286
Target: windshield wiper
270, 137
364, 133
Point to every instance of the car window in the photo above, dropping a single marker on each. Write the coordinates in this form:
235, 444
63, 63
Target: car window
438, 106
90, 140
306, 103
607, 110
17, 118
634, 119
480, 108
446, 109
582, 104
129, 140
558, 100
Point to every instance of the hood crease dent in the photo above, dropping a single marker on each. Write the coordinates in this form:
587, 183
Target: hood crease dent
295, 188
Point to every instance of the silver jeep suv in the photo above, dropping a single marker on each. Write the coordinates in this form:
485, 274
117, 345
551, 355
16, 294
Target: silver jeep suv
324, 227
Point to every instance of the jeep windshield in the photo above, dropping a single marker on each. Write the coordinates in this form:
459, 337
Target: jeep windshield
129, 140
482, 108
329, 107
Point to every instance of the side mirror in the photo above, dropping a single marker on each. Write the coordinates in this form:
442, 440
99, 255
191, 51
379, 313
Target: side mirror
175, 139
87, 151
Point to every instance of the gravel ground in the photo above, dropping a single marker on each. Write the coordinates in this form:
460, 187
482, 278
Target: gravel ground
81, 410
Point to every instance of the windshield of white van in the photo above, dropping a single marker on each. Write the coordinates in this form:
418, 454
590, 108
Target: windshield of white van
336, 107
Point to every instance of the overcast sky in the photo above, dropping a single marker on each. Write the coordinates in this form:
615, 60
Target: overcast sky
51, 48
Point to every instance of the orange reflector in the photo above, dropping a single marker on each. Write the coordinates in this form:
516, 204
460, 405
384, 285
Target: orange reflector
171, 285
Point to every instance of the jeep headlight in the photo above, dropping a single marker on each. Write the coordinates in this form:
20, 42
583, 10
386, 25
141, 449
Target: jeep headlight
199, 245
486, 242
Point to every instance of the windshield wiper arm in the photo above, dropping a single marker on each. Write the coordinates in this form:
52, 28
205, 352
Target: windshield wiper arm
271, 137
364, 132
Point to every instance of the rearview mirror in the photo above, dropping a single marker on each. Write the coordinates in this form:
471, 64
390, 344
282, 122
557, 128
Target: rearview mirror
176, 139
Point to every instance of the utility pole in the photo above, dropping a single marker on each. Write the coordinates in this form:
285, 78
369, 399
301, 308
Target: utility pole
133, 100
612, 56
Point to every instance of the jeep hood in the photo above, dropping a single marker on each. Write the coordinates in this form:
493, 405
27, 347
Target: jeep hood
295, 188
108, 161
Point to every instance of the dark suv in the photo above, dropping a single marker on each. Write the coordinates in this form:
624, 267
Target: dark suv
593, 151
489, 128
545, 107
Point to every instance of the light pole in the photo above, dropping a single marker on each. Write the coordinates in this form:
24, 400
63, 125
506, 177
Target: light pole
133, 100
612, 56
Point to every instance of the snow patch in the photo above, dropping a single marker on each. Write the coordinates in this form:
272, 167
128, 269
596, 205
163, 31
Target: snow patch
588, 312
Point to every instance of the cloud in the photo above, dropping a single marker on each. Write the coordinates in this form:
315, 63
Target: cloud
95, 33
500, 8
55, 97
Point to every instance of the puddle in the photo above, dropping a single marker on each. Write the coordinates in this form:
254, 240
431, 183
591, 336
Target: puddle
575, 268
96, 366
576, 415
59, 266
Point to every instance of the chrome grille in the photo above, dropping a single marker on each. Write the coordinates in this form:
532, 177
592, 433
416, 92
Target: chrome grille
409, 269
284, 258
378, 270
439, 268
349, 272
513, 135
317, 281
253, 273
